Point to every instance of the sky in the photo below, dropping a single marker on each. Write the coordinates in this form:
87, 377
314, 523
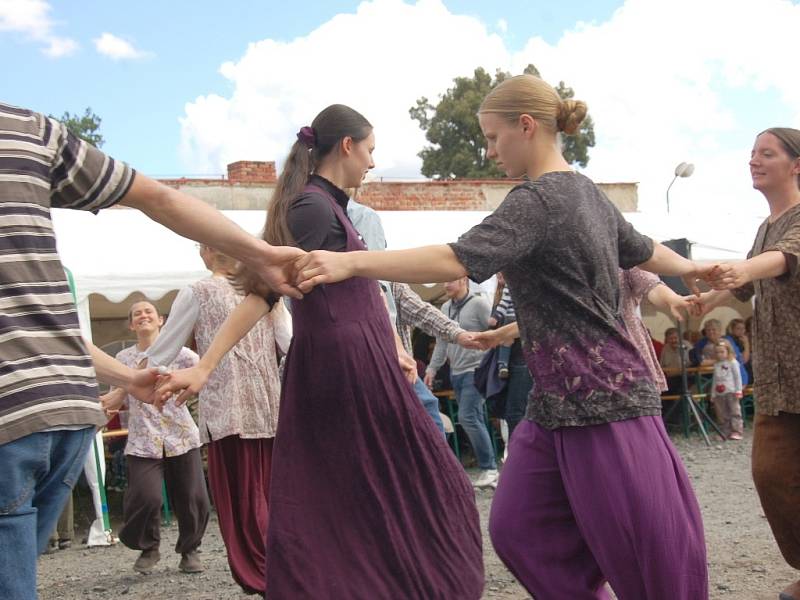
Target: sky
183, 88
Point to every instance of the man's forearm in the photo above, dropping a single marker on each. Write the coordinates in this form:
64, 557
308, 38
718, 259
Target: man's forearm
192, 218
109, 370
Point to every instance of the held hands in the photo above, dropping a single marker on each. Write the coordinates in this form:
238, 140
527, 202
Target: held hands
321, 266
143, 385
467, 339
729, 276
184, 382
276, 266
485, 340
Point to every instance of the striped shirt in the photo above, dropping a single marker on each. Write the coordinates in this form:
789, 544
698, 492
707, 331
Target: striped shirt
46, 376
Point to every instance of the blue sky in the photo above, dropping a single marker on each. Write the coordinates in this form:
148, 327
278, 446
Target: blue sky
196, 85
141, 100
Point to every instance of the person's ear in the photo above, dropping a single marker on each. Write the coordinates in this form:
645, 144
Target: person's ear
528, 125
346, 145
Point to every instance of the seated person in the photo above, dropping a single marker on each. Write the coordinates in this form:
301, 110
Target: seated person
704, 349
670, 359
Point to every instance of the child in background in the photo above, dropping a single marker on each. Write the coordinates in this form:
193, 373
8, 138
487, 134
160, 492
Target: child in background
503, 314
726, 391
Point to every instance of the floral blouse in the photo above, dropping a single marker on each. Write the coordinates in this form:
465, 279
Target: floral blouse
242, 394
154, 434
634, 285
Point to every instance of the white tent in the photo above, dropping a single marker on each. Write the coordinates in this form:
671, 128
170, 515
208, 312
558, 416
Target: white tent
117, 252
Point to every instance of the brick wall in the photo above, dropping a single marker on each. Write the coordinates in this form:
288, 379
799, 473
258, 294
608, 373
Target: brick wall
252, 171
250, 184
465, 194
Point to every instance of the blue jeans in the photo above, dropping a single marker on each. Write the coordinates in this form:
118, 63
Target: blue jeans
430, 402
518, 388
472, 417
37, 474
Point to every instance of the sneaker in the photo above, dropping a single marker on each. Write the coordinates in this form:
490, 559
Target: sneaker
502, 372
190, 563
487, 478
735, 436
64, 544
146, 561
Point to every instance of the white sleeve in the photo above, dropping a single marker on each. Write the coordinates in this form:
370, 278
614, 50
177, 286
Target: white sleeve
182, 319
282, 322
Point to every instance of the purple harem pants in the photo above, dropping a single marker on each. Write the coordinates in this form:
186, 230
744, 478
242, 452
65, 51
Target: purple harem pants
578, 506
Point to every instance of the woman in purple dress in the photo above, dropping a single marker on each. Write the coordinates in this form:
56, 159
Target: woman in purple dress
366, 499
593, 490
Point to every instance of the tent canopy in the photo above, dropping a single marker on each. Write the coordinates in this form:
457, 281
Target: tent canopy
118, 252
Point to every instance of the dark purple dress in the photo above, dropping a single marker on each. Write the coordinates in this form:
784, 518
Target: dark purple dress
367, 501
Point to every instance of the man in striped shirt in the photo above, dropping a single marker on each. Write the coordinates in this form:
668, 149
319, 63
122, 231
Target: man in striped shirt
48, 391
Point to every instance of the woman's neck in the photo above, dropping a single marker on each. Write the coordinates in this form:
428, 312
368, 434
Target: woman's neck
145, 340
546, 159
782, 200
332, 173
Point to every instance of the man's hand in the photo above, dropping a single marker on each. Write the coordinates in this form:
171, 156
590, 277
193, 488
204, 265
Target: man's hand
184, 382
466, 339
408, 365
143, 384
429, 375
321, 266
276, 266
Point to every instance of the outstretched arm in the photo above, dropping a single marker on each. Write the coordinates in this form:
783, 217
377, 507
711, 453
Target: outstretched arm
138, 383
196, 220
190, 381
666, 262
733, 275
417, 265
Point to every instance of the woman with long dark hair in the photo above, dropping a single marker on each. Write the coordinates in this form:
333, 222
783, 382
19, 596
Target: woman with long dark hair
366, 499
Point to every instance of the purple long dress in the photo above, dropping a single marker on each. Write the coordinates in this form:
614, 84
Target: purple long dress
367, 501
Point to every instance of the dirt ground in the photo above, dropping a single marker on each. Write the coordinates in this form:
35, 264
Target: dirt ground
744, 562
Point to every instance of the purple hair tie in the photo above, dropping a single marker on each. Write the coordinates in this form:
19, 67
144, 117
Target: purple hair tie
307, 136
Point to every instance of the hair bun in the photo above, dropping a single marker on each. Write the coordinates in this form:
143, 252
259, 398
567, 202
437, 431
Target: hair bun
571, 114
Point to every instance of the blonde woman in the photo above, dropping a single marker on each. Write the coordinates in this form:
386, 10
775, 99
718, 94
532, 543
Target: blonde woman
593, 490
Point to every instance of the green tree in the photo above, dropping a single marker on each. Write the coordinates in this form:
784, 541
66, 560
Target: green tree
458, 148
85, 127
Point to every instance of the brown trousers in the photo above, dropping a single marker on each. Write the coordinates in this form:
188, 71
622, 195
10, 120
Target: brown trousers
776, 473
188, 497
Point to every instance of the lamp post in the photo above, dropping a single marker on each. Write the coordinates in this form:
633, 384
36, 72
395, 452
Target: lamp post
682, 170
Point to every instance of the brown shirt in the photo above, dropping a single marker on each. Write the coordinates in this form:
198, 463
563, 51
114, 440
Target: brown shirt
776, 319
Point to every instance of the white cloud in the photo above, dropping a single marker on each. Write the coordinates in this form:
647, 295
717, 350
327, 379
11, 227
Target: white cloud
31, 18
661, 80
117, 48
502, 25
378, 60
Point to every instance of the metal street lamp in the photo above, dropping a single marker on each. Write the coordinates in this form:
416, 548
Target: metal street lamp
682, 170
